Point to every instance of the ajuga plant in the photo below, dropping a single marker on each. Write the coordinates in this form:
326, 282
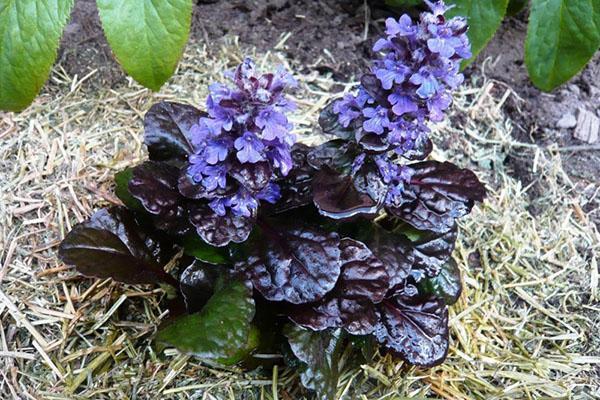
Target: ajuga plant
272, 251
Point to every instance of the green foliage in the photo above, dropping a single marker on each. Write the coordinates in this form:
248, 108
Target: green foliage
221, 331
562, 36
122, 179
30, 31
447, 285
147, 36
484, 18
198, 248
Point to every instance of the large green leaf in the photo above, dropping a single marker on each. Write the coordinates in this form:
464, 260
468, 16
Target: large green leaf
561, 38
484, 18
147, 36
220, 330
30, 31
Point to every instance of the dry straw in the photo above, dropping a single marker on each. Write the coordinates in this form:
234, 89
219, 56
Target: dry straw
526, 326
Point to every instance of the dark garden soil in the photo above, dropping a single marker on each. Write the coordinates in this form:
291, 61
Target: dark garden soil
331, 37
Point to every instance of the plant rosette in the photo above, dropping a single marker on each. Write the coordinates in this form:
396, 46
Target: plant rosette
319, 255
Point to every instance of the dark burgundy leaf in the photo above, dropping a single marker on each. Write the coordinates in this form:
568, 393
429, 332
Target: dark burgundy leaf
328, 120
336, 196
335, 154
446, 285
422, 149
443, 192
363, 281
219, 230
296, 187
167, 130
395, 251
373, 142
321, 354
431, 251
110, 244
414, 329
297, 266
253, 176
373, 86
154, 184
197, 283
368, 180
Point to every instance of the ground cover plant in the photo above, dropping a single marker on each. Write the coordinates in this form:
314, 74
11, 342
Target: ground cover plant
562, 35
269, 249
147, 38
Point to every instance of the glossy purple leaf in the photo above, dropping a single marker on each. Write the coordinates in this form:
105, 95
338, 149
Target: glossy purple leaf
368, 180
219, 230
414, 329
395, 251
363, 281
154, 184
432, 250
321, 357
167, 130
335, 154
297, 266
335, 196
110, 244
252, 176
443, 192
197, 282
296, 187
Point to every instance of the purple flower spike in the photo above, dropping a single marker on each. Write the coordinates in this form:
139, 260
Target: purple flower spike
410, 85
245, 142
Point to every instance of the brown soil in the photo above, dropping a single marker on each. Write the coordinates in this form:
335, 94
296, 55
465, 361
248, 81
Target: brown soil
332, 37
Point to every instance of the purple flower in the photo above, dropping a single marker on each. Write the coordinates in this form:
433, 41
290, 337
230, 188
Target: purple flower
272, 123
246, 124
415, 73
403, 27
215, 151
402, 104
393, 72
438, 104
249, 148
243, 203
377, 119
271, 193
348, 109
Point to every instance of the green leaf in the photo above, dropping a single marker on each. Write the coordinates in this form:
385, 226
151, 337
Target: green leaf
30, 31
194, 246
515, 7
484, 18
220, 330
147, 36
562, 36
447, 285
403, 3
122, 179
321, 354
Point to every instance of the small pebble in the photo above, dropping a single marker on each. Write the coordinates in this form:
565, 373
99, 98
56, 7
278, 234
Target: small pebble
567, 121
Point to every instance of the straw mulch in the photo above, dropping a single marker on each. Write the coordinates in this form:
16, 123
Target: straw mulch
526, 326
